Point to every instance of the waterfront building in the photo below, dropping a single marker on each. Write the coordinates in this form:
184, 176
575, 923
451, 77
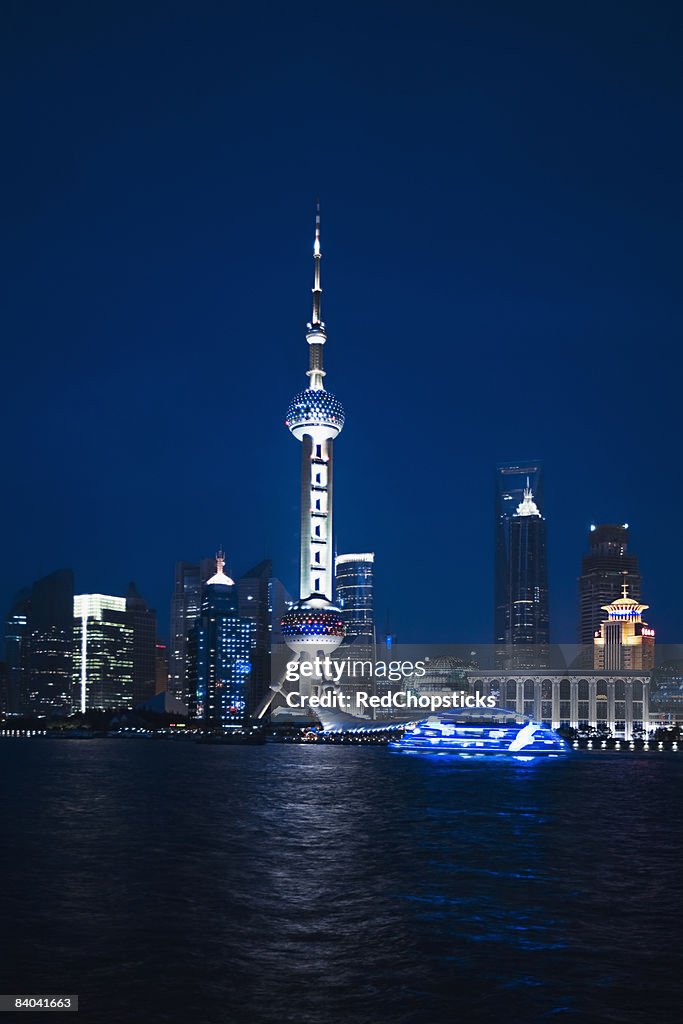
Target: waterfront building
16, 652
103, 652
522, 616
354, 585
603, 572
607, 702
143, 619
51, 643
39, 646
188, 582
263, 599
160, 668
219, 653
624, 640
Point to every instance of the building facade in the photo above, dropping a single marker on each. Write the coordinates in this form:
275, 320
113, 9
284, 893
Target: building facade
603, 572
615, 703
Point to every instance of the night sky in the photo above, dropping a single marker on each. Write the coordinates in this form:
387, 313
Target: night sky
501, 225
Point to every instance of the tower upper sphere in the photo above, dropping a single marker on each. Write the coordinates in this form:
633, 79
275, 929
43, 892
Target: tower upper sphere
315, 412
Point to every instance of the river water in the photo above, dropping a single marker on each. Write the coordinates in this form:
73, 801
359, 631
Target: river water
172, 882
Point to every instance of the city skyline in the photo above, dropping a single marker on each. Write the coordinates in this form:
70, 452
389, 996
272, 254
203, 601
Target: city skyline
174, 289
341, 464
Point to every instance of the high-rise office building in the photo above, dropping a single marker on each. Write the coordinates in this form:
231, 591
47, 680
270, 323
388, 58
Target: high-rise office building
603, 573
103, 652
161, 669
39, 646
219, 653
253, 604
263, 599
51, 643
185, 604
624, 641
16, 652
521, 575
143, 619
354, 581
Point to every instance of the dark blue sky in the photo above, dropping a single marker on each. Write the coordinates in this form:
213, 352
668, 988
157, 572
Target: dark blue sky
501, 200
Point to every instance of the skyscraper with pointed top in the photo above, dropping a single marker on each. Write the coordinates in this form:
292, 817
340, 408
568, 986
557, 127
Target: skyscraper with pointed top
219, 653
522, 614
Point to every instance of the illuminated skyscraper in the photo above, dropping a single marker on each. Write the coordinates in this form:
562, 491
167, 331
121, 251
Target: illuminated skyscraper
624, 641
521, 612
603, 573
219, 653
103, 652
354, 594
185, 604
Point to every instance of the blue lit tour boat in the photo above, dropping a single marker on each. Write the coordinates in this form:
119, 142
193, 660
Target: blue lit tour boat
484, 731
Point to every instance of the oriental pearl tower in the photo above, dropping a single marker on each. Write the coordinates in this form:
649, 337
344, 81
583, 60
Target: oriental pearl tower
313, 627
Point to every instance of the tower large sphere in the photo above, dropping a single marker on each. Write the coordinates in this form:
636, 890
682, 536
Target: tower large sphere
315, 411
313, 624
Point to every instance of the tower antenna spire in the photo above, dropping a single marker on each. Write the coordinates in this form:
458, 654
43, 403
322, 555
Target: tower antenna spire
317, 290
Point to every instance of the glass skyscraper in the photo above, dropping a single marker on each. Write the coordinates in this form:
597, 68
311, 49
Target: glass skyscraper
354, 593
185, 605
219, 654
521, 575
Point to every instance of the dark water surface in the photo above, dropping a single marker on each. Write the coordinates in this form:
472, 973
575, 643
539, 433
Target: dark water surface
179, 883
